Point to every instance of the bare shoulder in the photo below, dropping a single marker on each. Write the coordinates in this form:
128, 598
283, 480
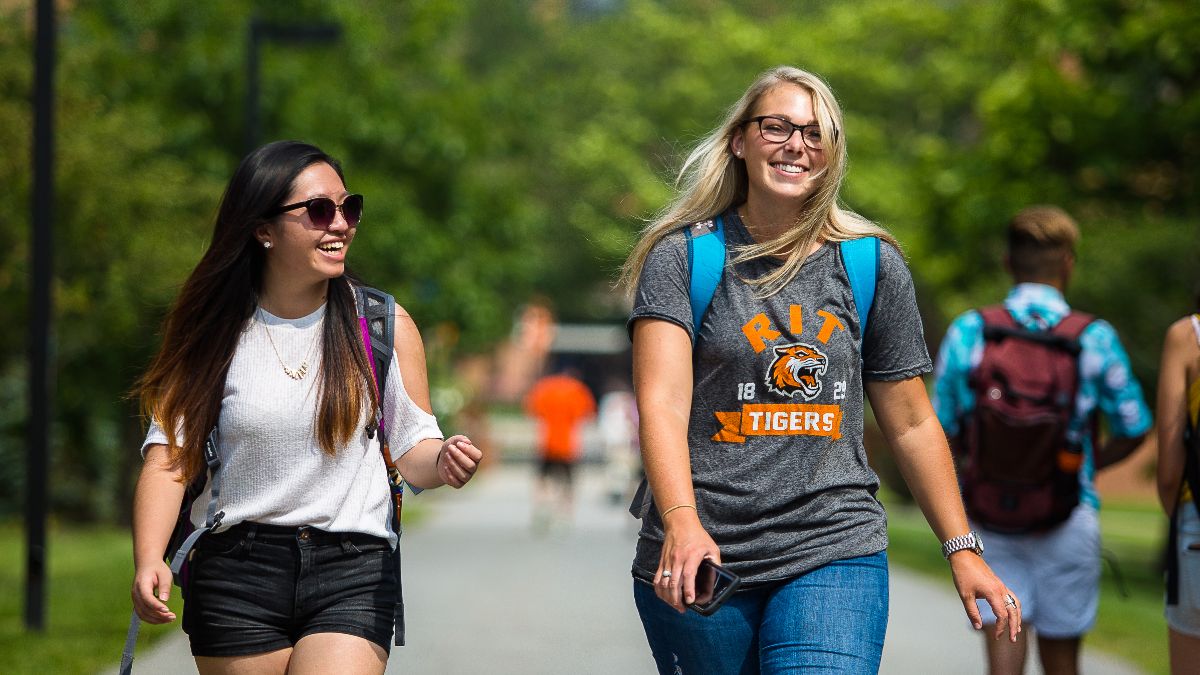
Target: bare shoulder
1181, 335
408, 336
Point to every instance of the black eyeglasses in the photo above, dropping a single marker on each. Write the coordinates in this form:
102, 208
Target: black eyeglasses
322, 210
775, 129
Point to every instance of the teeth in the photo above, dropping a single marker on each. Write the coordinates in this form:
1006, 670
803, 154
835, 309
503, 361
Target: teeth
790, 168
332, 246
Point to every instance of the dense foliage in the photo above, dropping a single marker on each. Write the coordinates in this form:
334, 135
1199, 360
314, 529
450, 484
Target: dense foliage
512, 148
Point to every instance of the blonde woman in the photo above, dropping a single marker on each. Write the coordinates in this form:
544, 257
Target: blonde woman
752, 426
1178, 410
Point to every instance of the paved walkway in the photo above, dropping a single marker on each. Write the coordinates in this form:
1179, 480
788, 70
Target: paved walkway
485, 595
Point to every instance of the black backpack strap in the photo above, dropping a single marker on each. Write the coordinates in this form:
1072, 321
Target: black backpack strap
212, 457
135, 623
377, 313
1191, 478
998, 324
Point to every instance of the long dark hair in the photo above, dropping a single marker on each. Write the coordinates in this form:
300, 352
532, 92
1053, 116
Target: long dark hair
183, 387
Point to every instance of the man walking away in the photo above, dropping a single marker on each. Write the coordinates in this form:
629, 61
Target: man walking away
1019, 388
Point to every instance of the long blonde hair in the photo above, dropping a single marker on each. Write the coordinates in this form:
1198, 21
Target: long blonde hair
711, 180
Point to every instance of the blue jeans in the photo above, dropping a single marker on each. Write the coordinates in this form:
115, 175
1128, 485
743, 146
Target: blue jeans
831, 619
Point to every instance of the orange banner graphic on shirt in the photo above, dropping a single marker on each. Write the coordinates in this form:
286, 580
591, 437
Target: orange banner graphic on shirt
779, 419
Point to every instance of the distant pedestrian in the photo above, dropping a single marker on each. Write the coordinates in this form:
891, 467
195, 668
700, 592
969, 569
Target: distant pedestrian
1018, 388
618, 423
560, 403
1178, 409
752, 410
264, 348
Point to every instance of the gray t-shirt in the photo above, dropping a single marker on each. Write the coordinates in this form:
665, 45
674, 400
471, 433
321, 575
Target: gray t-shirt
776, 429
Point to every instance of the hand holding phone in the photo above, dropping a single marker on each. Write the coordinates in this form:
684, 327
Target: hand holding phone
714, 585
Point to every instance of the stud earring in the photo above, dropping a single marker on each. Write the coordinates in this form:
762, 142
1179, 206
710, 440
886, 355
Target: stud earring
266, 244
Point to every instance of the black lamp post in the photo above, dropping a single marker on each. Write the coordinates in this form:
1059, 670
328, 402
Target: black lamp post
262, 31
40, 311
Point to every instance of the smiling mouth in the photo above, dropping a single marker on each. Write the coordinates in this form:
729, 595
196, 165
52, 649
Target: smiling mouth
332, 246
789, 168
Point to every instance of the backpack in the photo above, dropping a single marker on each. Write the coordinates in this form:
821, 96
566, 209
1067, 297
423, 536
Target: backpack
706, 267
1019, 469
377, 322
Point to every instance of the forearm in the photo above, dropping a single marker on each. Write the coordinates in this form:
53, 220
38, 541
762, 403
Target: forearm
1168, 493
923, 458
156, 503
419, 465
1117, 449
666, 460
1171, 412
1171, 458
919, 446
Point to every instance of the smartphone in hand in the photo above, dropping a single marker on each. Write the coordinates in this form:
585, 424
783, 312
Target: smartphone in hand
714, 585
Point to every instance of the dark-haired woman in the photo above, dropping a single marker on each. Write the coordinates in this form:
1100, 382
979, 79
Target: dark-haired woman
263, 344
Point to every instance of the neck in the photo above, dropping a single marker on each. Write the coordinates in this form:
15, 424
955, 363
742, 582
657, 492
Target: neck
766, 223
1058, 283
291, 300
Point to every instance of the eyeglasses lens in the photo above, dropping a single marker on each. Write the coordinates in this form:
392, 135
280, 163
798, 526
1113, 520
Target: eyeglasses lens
775, 131
352, 209
321, 211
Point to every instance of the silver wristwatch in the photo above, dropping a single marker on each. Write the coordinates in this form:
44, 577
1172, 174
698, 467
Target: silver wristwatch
969, 541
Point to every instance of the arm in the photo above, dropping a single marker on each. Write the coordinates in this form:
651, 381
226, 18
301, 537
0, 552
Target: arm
907, 420
1117, 448
662, 380
1119, 396
1179, 348
431, 462
950, 389
156, 502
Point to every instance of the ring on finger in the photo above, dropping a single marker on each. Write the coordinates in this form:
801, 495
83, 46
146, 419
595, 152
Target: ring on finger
666, 574
1009, 600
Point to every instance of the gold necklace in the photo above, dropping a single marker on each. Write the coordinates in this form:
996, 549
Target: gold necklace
294, 373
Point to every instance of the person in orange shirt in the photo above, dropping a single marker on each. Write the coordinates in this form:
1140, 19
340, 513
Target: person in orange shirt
560, 402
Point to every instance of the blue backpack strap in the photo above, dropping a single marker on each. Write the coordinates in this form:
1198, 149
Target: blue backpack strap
706, 265
861, 259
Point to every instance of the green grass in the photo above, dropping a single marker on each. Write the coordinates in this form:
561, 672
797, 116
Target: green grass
1131, 627
87, 603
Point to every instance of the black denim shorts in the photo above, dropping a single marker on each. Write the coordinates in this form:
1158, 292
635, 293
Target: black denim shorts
259, 588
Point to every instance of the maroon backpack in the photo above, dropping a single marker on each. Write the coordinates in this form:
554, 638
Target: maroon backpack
1019, 471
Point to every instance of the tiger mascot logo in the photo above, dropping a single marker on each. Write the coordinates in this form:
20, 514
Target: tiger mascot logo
796, 370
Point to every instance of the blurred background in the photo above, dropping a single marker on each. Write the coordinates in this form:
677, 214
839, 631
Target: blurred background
509, 152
